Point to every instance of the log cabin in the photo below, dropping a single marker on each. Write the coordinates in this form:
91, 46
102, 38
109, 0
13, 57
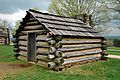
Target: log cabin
55, 41
3, 37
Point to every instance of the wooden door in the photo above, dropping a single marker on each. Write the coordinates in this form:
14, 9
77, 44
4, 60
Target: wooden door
31, 47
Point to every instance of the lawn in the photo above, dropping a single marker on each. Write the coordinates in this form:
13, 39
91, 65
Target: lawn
114, 50
102, 70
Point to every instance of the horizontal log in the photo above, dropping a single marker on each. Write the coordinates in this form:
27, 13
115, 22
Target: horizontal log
22, 43
22, 34
42, 39
31, 19
41, 36
78, 48
33, 27
23, 37
42, 50
32, 23
78, 59
23, 48
22, 58
42, 44
42, 53
23, 53
80, 45
82, 53
42, 57
40, 31
79, 41
42, 63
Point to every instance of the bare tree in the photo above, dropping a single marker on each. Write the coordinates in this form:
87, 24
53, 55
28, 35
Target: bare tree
70, 8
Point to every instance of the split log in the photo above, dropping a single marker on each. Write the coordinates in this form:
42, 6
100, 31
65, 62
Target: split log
49, 34
58, 54
51, 42
58, 38
104, 42
51, 65
58, 61
51, 57
52, 50
58, 45
42, 57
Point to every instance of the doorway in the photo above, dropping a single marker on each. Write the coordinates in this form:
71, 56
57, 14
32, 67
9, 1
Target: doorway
31, 47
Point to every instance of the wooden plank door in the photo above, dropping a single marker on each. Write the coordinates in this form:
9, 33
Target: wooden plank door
31, 47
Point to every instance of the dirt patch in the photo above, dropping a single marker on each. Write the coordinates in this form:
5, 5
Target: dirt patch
12, 68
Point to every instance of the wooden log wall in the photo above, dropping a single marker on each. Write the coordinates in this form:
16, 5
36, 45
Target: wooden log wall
32, 25
55, 55
2, 40
53, 51
104, 49
80, 49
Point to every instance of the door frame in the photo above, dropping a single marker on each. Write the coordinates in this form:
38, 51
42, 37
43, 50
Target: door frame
33, 49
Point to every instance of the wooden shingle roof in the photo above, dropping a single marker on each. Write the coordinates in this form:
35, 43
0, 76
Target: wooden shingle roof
60, 25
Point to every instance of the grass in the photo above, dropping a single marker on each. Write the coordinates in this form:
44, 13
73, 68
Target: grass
114, 50
102, 70
106, 70
6, 54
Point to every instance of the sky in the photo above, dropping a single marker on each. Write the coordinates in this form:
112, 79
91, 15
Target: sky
13, 10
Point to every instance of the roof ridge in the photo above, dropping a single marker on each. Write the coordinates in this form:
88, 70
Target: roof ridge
52, 14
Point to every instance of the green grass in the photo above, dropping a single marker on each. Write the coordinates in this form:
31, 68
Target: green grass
114, 50
7, 54
102, 70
